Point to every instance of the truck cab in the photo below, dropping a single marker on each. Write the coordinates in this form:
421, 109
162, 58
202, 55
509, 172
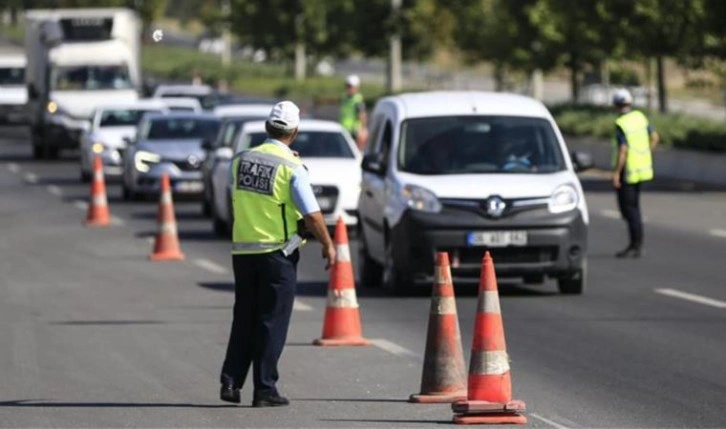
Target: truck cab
77, 60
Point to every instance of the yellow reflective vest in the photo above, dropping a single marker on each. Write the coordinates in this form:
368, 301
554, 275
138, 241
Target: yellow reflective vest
639, 162
349, 112
264, 214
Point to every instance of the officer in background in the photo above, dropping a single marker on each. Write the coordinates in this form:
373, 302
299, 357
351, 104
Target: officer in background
272, 202
353, 116
632, 165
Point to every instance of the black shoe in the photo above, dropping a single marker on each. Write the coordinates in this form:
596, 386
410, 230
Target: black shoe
628, 251
228, 392
270, 401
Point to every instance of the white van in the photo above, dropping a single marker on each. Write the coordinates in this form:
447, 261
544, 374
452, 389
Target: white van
465, 172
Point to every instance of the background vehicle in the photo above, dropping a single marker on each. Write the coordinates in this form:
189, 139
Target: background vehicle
332, 159
77, 59
182, 104
170, 143
233, 117
13, 94
205, 94
418, 195
112, 128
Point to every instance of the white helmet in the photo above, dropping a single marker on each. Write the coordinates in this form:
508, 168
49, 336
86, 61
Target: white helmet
352, 80
622, 96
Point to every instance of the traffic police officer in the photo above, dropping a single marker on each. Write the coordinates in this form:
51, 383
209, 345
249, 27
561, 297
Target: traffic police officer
353, 115
271, 196
632, 165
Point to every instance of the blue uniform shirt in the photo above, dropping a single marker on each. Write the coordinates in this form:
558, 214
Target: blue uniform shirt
302, 191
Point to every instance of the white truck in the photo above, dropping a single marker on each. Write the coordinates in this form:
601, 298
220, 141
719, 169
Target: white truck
77, 60
13, 94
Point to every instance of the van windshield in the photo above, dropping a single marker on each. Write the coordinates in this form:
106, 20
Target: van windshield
85, 77
12, 76
479, 144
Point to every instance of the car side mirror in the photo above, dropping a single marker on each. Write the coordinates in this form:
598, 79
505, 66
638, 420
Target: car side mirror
373, 163
207, 144
582, 161
224, 153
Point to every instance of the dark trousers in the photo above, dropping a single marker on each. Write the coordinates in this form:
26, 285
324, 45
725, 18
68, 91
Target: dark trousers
264, 296
629, 204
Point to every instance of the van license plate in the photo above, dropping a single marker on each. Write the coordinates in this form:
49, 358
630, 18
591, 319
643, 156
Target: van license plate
497, 238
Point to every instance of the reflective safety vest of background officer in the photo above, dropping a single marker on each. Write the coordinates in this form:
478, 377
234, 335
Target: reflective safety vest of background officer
273, 204
632, 165
353, 116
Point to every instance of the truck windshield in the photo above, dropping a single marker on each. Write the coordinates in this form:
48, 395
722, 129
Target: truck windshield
12, 76
479, 144
90, 77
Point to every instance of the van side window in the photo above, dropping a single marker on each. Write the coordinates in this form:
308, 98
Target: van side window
385, 146
377, 125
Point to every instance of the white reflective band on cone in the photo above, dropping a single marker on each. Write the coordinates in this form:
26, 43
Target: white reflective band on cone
168, 228
489, 363
342, 253
443, 305
99, 200
342, 298
166, 197
443, 275
489, 303
98, 175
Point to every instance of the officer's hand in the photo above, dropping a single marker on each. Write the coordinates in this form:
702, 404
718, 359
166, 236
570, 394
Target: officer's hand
616, 181
329, 256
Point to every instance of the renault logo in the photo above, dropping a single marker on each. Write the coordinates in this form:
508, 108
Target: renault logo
495, 206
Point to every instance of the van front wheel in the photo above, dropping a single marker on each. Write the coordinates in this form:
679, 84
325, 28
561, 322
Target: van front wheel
394, 279
574, 283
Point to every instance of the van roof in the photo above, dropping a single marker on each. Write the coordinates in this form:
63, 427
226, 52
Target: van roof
457, 103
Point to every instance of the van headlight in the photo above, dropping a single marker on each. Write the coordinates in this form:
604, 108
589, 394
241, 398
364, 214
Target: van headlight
563, 199
420, 199
142, 159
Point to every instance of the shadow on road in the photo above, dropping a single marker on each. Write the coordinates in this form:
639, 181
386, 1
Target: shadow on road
182, 235
49, 404
432, 422
349, 400
108, 322
179, 214
591, 184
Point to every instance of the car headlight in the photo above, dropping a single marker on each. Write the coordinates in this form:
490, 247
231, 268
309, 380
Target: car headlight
563, 199
98, 147
421, 199
52, 107
142, 158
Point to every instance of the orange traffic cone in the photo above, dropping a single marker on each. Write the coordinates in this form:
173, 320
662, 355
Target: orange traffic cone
98, 213
444, 373
342, 325
490, 385
166, 247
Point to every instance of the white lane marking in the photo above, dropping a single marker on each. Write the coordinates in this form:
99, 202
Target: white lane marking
718, 233
210, 266
13, 167
692, 297
301, 306
31, 177
82, 205
117, 221
548, 421
394, 348
53, 189
612, 214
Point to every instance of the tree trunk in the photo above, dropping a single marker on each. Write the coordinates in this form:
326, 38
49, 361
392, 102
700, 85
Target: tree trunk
13, 14
300, 63
537, 84
498, 77
662, 96
649, 82
574, 74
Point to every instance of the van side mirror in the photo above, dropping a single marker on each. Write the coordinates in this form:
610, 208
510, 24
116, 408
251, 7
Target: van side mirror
582, 161
127, 140
224, 153
208, 144
373, 163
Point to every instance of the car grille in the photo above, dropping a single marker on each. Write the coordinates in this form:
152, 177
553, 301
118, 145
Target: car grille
328, 192
186, 166
506, 255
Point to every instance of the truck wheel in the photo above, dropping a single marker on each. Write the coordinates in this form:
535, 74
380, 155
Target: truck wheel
38, 152
394, 279
574, 283
52, 152
371, 272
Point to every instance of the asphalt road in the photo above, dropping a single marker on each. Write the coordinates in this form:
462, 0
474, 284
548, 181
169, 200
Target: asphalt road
92, 334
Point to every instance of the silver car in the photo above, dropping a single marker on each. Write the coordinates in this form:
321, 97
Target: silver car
170, 143
112, 126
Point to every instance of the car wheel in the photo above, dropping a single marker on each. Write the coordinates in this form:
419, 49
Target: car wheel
38, 152
574, 283
206, 208
371, 272
394, 279
218, 224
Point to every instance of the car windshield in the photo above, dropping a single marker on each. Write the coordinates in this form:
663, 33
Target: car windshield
205, 100
90, 78
313, 144
122, 117
12, 76
181, 128
479, 144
